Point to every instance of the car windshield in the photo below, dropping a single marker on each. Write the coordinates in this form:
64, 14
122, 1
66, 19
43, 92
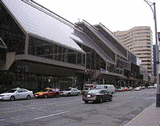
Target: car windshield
11, 91
44, 90
94, 91
67, 89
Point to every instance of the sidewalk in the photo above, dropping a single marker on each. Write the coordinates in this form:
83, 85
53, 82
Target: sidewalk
148, 117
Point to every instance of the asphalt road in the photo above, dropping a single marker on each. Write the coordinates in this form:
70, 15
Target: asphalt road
72, 111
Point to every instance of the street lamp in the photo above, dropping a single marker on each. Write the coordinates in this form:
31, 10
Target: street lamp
153, 8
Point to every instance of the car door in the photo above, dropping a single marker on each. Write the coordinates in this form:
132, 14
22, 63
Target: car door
106, 95
73, 91
50, 93
103, 93
18, 94
24, 93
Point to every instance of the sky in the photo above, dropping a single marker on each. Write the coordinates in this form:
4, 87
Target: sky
116, 15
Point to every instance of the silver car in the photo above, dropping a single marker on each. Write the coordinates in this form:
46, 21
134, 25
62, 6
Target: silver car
16, 93
70, 91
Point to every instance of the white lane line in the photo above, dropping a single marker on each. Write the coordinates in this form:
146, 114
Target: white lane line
39, 109
51, 115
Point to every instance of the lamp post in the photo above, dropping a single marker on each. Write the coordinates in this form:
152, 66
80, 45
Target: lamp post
153, 8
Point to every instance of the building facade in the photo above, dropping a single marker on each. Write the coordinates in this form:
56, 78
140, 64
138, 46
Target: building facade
39, 49
139, 41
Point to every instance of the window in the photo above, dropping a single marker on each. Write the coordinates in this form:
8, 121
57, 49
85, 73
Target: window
11, 34
48, 50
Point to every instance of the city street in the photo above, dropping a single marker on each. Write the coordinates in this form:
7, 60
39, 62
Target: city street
72, 111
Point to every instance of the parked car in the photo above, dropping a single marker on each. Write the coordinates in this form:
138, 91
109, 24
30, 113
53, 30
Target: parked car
130, 88
97, 95
137, 88
120, 89
151, 86
16, 93
155, 85
109, 88
47, 92
70, 91
143, 87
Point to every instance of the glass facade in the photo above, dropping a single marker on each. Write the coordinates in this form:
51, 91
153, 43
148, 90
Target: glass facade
98, 42
93, 60
52, 51
2, 54
10, 33
112, 40
34, 82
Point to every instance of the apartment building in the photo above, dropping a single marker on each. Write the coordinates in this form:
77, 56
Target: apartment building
139, 41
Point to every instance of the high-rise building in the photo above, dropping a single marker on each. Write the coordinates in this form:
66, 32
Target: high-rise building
139, 41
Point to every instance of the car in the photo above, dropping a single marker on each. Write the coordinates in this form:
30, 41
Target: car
143, 87
70, 91
126, 88
130, 88
97, 95
120, 89
151, 86
137, 88
47, 92
87, 87
16, 93
108, 87
155, 85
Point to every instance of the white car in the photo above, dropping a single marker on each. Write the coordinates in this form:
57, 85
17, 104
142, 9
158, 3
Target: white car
70, 91
108, 87
155, 85
137, 88
16, 93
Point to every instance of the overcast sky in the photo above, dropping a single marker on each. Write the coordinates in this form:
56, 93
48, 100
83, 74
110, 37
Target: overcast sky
114, 14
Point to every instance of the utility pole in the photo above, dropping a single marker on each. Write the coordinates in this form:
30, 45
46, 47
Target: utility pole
153, 8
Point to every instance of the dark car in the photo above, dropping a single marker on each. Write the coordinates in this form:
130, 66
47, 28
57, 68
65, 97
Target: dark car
47, 92
97, 95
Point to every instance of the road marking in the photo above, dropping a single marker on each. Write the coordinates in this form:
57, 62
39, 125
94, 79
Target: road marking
51, 115
39, 109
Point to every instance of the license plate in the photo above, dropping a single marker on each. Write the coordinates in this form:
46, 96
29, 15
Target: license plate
88, 96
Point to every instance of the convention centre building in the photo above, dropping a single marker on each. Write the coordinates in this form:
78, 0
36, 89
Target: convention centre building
39, 49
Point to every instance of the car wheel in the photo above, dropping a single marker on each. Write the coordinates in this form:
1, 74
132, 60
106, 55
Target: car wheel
86, 102
12, 98
69, 94
28, 97
78, 94
45, 96
101, 100
110, 98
